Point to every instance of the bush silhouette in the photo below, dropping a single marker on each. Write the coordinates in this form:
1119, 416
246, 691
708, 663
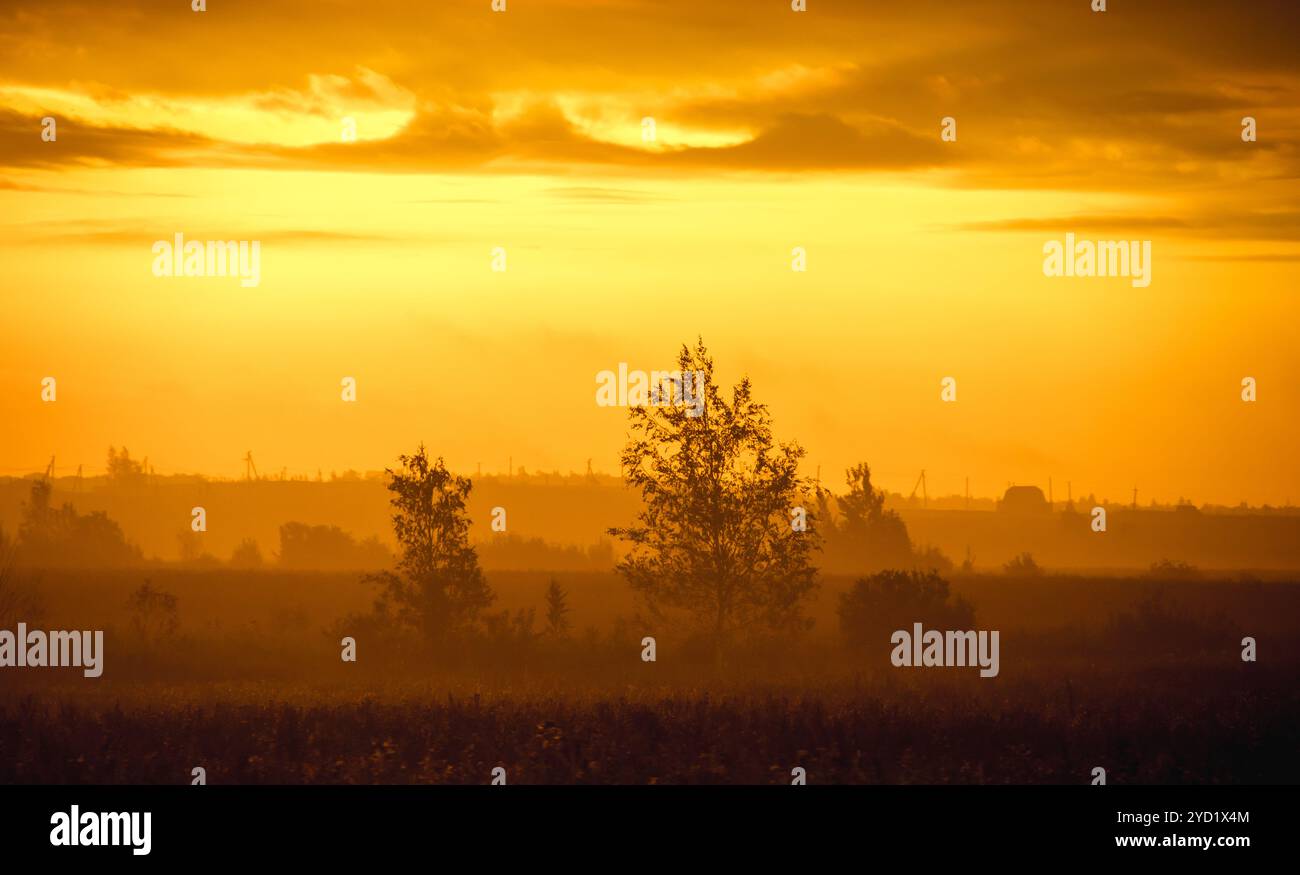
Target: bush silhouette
885, 602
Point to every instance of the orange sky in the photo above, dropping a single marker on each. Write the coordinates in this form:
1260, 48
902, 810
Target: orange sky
774, 130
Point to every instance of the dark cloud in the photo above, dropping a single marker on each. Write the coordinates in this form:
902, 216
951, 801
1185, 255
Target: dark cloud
1263, 257
78, 144
1047, 95
822, 142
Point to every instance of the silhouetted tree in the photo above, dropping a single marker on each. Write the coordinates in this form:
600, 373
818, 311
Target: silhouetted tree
864, 504
303, 546
515, 552
59, 536
246, 555
557, 610
122, 468
438, 588
866, 536
714, 543
1023, 566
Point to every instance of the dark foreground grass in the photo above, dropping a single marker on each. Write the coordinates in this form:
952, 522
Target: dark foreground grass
1157, 725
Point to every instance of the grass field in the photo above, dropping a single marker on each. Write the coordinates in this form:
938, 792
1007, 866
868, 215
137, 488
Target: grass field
1141, 678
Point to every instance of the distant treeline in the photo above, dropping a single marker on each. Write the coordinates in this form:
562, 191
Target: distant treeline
563, 524
568, 511
559, 521
57, 535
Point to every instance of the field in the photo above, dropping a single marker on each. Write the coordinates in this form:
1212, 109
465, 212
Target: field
1140, 677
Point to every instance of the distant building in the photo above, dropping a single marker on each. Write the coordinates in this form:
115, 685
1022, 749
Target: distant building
1024, 499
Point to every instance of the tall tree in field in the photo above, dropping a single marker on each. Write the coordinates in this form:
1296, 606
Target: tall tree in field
438, 588
715, 545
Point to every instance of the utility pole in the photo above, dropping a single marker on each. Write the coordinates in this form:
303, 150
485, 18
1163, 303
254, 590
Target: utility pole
920, 484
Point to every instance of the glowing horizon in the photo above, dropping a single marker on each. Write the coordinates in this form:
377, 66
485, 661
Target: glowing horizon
820, 130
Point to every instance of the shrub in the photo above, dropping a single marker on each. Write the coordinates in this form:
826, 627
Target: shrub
1023, 566
888, 601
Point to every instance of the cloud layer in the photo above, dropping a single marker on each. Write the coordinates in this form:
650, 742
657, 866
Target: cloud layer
1045, 95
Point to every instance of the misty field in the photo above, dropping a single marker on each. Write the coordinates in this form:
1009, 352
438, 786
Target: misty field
1140, 677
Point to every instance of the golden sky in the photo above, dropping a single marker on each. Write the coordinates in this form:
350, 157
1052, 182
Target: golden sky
773, 130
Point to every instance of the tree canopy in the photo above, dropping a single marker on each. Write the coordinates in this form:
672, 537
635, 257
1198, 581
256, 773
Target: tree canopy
714, 546
438, 588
